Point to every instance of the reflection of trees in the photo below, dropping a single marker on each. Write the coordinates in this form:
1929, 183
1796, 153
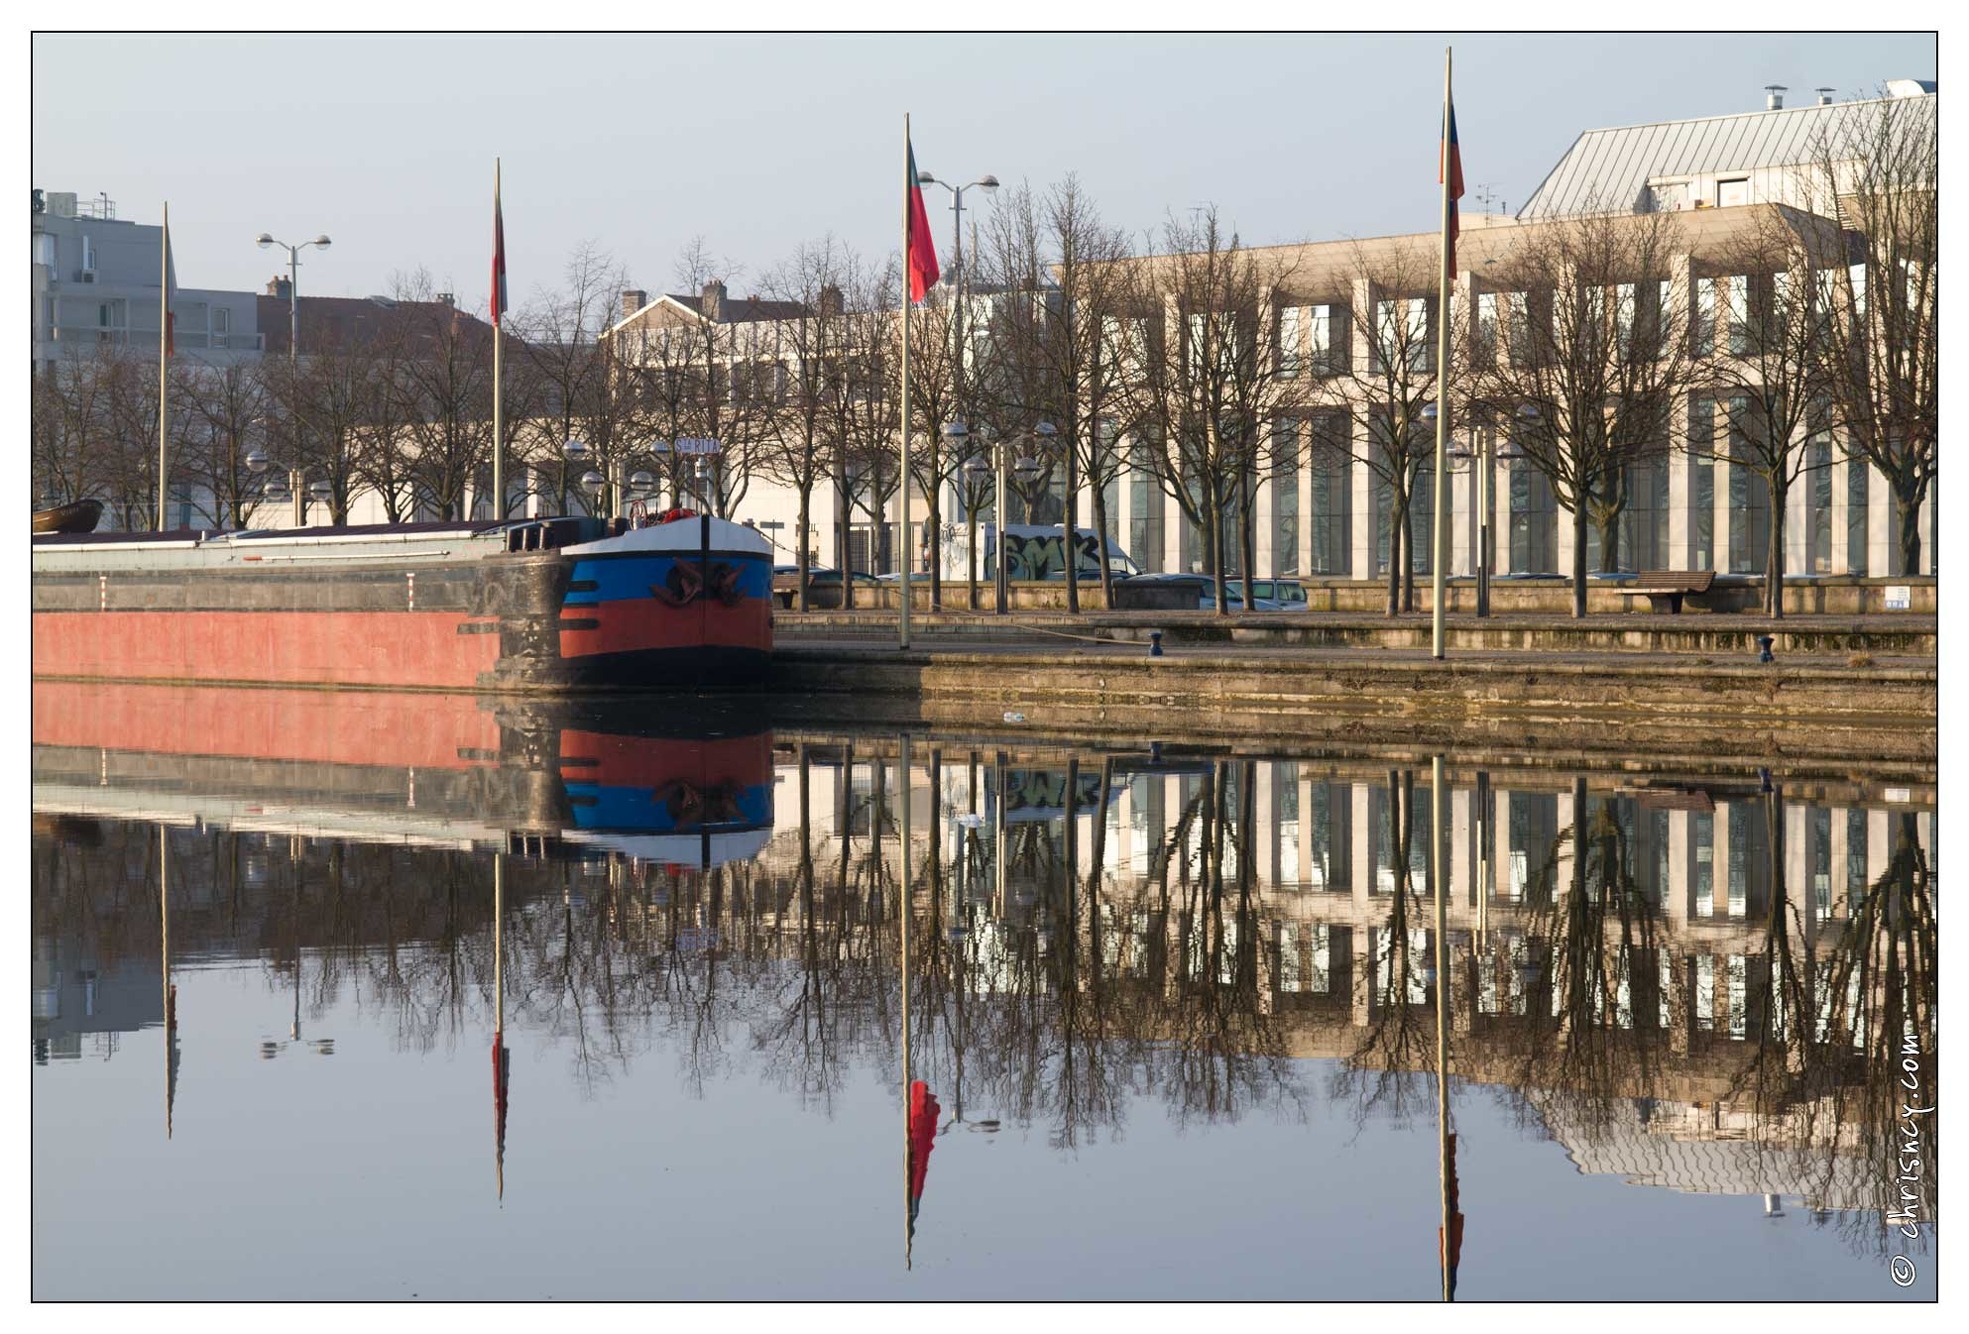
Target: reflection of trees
1823, 1068
1593, 1033
1075, 994
1398, 1042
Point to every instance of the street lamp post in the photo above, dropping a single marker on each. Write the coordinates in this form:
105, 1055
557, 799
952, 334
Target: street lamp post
1027, 468
295, 485
293, 285
989, 184
267, 242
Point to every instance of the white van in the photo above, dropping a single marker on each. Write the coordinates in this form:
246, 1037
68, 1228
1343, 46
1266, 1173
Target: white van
1034, 551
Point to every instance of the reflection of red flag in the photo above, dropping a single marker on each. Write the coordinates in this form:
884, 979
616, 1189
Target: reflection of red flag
921, 261
500, 1077
923, 1114
1447, 1256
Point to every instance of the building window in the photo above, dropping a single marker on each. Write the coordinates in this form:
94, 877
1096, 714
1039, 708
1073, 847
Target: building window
1534, 515
1856, 517
1144, 511
1517, 327
1291, 330
1818, 514
1702, 833
221, 327
1486, 332
1750, 502
1401, 332
1703, 327
1333, 493
1285, 498
1642, 532
1737, 291
1702, 482
1326, 339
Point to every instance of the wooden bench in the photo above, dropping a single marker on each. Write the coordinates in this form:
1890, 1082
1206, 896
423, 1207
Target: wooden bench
1665, 589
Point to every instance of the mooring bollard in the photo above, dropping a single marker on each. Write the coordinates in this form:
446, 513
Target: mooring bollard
1155, 643
1764, 653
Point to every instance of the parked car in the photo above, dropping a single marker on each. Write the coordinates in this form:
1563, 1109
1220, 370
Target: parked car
1273, 594
1206, 590
823, 585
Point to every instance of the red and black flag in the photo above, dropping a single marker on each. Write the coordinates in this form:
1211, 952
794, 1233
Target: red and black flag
498, 253
1451, 161
921, 252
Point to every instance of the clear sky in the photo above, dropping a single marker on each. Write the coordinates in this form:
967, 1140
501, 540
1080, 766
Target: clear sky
640, 143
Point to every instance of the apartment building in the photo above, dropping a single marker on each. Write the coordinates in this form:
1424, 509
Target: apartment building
97, 282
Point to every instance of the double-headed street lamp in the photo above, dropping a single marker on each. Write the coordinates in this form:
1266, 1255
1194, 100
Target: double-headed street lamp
638, 485
277, 488
293, 285
977, 468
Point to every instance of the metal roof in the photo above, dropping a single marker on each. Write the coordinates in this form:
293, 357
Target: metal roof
1608, 169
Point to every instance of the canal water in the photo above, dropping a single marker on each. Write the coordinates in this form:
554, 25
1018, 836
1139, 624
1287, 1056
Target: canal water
393, 997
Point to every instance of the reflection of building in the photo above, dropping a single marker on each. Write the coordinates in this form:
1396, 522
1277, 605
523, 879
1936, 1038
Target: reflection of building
77, 995
1709, 1150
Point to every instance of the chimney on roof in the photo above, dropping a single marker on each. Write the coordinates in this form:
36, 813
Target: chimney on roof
633, 300
279, 287
831, 304
713, 299
1825, 96
1774, 96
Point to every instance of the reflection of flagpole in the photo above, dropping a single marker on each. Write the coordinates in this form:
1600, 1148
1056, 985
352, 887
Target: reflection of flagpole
499, 1020
1449, 1238
164, 954
908, 1147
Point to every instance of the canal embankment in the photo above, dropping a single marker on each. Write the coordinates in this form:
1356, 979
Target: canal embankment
1694, 699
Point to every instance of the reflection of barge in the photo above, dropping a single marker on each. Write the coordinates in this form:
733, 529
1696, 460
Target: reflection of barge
536, 777
542, 605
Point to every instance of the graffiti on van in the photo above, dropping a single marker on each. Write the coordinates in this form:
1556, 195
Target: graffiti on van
1043, 556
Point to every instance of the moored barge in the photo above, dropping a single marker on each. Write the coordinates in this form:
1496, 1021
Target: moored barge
543, 605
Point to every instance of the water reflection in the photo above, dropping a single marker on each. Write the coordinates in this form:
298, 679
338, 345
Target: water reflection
1702, 986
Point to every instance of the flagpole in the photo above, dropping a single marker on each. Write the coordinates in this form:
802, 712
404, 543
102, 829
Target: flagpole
163, 368
907, 203
1439, 580
498, 363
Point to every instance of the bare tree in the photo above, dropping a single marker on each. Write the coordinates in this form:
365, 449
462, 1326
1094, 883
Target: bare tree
1596, 358
575, 394
1205, 389
798, 440
1065, 288
1769, 365
230, 404
1383, 397
1876, 172
446, 387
